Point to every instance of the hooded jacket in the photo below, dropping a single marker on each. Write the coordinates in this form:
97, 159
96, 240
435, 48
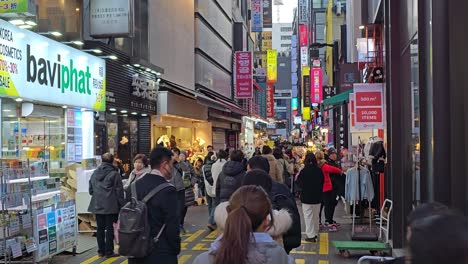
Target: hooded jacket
262, 250
276, 171
230, 179
106, 190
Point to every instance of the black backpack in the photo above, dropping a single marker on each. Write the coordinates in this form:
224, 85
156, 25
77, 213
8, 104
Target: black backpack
292, 238
134, 228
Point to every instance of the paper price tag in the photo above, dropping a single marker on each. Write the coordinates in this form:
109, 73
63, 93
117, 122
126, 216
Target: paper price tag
31, 245
16, 250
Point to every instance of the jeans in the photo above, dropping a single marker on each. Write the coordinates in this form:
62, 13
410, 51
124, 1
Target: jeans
105, 233
211, 209
311, 219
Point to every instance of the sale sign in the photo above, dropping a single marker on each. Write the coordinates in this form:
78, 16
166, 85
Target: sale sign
270, 101
243, 74
369, 106
316, 87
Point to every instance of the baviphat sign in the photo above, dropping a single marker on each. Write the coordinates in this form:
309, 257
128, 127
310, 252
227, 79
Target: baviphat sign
37, 68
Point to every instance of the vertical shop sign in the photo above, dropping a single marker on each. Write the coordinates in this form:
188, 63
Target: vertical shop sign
294, 103
303, 36
267, 14
303, 11
316, 88
271, 66
257, 15
243, 74
270, 103
306, 84
306, 113
352, 114
328, 91
304, 56
368, 106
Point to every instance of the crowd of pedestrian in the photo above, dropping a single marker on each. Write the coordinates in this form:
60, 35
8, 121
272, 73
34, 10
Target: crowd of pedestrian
246, 198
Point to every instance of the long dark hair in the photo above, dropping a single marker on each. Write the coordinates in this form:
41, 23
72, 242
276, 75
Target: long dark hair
310, 160
248, 208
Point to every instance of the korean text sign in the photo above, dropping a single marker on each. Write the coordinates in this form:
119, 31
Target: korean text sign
369, 106
257, 15
271, 66
270, 102
243, 74
316, 87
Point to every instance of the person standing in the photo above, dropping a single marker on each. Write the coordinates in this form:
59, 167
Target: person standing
310, 181
188, 176
200, 181
140, 169
161, 211
178, 181
275, 171
337, 179
231, 176
107, 197
210, 189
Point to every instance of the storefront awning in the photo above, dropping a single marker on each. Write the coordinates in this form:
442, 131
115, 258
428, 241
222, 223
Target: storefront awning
224, 102
337, 99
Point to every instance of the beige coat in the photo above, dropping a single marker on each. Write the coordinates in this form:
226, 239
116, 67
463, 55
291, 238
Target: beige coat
276, 170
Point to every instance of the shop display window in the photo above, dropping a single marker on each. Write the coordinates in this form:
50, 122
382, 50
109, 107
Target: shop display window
37, 139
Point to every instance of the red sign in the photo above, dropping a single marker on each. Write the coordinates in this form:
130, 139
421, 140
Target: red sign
270, 102
316, 85
369, 99
368, 106
243, 74
303, 36
352, 114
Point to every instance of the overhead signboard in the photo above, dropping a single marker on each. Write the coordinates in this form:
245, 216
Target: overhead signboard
272, 71
316, 88
369, 106
304, 56
306, 84
267, 14
257, 15
38, 68
243, 74
270, 102
111, 18
14, 6
303, 11
303, 35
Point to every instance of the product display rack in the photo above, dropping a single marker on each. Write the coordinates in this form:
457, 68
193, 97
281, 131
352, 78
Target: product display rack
35, 223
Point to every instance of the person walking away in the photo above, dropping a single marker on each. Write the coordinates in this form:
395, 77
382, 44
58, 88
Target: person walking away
283, 166
189, 179
338, 180
161, 209
200, 181
310, 181
216, 171
329, 194
107, 197
140, 169
275, 170
178, 181
245, 239
210, 188
231, 176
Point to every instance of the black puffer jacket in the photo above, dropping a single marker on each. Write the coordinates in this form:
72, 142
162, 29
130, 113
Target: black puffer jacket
230, 179
311, 181
106, 190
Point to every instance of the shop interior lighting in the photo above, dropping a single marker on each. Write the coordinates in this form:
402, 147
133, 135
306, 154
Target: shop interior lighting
148, 69
114, 114
144, 115
25, 26
125, 115
31, 23
136, 65
112, 109
6, 110
17, 22
11, 115
76, 42
64, 107
112, 57
124, 111
53, 33
134, 113
97, 51
362, 27
19, 100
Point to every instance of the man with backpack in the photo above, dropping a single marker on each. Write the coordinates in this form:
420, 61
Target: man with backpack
149, 224
281, 198
107, 196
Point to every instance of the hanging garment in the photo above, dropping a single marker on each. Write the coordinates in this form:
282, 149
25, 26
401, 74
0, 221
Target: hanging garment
353, 181
378, 155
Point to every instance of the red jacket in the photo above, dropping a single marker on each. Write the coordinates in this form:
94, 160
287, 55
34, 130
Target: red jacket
327, 169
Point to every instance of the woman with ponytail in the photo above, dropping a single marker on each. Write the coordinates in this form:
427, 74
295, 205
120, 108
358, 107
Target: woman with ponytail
245, 239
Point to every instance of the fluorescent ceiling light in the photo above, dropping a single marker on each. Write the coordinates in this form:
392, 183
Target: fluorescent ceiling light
56, 33
6, 110
144, 115
113, 57
78, 42
112, 109
19, 100
362, 27
17, 22
25, 26
31, 23
124, 111
136, 65
134, 113
64, 107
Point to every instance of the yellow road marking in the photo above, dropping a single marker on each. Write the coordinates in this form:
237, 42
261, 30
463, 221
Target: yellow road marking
184, 259
183, 246
305, 242
110, 260
212, 235
90, 260
194, 236
323, 262
302, 252
323, 244
300, 261
208, 240
200, 247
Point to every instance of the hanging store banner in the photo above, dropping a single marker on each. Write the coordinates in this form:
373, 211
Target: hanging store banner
352, 114
303, 36
257, 15
316, 89
111, 18
306, 85
267, 14
13, 6
270, 101
243, 74
369, 106
304, 56
294, 103
272, 71
267, 42
306, 113
303, 11
38, 68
